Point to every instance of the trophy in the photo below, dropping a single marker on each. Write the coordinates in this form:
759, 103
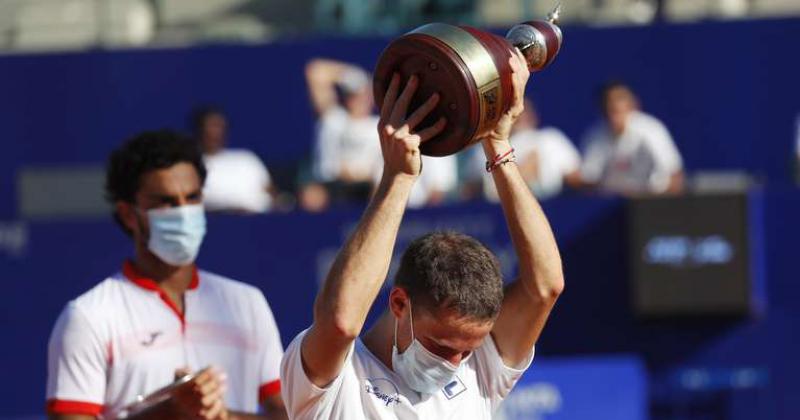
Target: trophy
470, 71
144, 403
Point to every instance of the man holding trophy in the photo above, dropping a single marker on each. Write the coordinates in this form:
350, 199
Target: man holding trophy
452, 343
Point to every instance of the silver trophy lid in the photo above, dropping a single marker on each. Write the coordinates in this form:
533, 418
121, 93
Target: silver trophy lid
532, 42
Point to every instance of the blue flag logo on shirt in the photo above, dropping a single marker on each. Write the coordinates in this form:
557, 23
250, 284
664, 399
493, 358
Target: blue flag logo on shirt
454, 388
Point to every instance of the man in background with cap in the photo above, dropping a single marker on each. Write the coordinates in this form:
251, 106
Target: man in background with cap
346, 150
630, 152
347, 157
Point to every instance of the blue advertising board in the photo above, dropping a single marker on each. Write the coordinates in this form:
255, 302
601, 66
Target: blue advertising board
608, 388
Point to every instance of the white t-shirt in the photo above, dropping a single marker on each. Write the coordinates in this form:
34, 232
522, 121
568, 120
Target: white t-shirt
236, 180
555, 156
123, 338
346, 142
642, 159
439, 174
367, 390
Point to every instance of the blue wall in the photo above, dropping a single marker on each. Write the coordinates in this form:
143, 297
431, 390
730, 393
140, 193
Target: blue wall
728, 92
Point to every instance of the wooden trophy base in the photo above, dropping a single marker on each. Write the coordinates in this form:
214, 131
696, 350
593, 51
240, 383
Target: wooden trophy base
467, 67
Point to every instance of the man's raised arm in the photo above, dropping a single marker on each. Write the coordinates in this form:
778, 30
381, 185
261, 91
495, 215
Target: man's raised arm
528, 300
362, 265
321, 77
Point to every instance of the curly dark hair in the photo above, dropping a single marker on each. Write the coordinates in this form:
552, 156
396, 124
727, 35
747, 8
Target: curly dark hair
452, 270
145, 152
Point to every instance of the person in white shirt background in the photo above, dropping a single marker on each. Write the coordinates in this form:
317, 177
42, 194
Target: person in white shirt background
630, 152
160, 317
547, 159
237, 179
346, 151
452, 343
347, 148
437, 182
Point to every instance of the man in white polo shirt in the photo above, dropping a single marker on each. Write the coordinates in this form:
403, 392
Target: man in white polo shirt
630, 152
546, 158
452, 343
160, 316
346, 151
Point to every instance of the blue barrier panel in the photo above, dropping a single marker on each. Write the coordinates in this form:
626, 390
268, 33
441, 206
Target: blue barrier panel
608, 388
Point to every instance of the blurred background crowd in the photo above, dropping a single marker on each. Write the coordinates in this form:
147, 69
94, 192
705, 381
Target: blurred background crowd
627, 150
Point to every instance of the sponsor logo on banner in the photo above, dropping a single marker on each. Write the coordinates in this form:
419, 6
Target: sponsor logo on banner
531, 402
685, 251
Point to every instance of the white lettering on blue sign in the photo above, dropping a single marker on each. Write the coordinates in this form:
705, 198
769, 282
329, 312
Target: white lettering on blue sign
684, 251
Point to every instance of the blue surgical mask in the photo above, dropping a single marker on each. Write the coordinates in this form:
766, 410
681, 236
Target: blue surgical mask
176, 233
422, 370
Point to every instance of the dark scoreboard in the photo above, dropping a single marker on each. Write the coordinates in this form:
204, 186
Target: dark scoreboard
696, 255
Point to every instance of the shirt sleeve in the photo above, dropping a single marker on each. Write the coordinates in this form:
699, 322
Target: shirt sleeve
473, 162
495, 378
666, 157
260, 170
595, 157
446, 169
326, 149
568, 157
524, 142
270, 351
303, 399
77, 364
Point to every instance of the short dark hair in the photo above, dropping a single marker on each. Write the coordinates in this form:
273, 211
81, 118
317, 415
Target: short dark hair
452, 270
606, 88
147, 151
198, 117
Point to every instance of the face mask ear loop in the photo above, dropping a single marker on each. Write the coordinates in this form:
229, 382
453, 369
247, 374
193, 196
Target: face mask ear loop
411, 318
395, 333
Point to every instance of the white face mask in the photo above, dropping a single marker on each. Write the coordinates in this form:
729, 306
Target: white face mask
176, 233
422, 370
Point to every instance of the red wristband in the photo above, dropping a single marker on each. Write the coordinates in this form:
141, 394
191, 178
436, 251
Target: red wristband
501, 160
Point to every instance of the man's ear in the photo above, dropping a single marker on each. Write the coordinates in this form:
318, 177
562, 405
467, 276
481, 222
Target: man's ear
398, 302
127, 216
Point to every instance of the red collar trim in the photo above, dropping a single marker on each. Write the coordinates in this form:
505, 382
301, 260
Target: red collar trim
147, 283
